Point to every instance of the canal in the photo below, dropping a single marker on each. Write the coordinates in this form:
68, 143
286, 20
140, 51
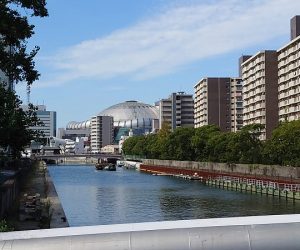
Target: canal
91, 197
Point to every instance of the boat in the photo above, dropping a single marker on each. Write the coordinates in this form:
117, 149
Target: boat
100, 166
108, 164
120, 164
110, 167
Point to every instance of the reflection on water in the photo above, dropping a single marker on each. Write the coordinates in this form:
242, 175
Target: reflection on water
91, 197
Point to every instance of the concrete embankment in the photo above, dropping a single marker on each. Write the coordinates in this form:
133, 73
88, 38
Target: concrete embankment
268, 180
40, 206
269, 172
58, 217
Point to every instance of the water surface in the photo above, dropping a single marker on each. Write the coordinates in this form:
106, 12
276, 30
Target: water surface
91, 197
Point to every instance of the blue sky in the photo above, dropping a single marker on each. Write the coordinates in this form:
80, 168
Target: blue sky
98, 54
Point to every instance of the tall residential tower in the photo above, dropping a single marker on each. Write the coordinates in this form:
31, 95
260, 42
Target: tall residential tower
177, 110
218, 101
260, 91
289, 75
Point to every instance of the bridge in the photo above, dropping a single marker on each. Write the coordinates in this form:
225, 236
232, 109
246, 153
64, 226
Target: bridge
275, 232
57, 158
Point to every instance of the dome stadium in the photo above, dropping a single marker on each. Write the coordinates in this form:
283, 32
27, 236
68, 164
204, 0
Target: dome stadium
131, 114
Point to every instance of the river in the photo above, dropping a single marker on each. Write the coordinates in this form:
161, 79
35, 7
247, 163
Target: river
91, 197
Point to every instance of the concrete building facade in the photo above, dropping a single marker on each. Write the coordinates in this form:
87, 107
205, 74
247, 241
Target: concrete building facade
236, 105
102, 132
218, 101
289, 75
260, 91
177, 110
47, 117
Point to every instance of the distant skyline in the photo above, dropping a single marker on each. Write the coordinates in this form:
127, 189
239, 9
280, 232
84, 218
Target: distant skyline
99, 54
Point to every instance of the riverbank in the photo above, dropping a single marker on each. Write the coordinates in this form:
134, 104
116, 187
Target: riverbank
38, 205
269, 180
284, 174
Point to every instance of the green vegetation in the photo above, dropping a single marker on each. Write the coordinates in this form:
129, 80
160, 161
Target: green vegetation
208, 143
5, 227
14, 123
17, 64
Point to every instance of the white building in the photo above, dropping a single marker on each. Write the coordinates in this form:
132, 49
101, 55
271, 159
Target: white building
289, 75
102, 132
110, 149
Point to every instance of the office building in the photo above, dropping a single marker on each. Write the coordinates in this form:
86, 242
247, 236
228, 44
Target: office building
289, 75
260, 91
218, 101
47, 117
102, 132
177, 110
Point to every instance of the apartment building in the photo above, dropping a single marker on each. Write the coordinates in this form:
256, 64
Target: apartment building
260, 91
102, 132
236, 105
177, 110
289, 75
218, 100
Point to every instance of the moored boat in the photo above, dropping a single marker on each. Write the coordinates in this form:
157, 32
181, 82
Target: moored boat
100, 166
110, 167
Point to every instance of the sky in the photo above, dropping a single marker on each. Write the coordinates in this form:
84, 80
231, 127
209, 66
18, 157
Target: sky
94, 54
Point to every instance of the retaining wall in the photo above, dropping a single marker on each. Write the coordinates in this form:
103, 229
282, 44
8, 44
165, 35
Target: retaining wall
272, 171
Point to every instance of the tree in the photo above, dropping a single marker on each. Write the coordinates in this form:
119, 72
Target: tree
15, 123
15, 61
179, 146
250, 145
200, 139
17, 65
284, 146
159, 148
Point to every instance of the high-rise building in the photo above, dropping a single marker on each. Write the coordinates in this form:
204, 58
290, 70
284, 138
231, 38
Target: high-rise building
177, 110
218, 101
102, 132
47, 117
236, 104
289, 75
260, 91
242, 59
295, 27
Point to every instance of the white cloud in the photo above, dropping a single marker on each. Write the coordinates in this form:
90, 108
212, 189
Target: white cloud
175, 37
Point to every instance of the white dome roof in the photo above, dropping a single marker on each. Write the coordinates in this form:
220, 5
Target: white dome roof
129, 114
132, 114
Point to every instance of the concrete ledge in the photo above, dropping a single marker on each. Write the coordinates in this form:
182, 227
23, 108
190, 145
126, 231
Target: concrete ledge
255, 232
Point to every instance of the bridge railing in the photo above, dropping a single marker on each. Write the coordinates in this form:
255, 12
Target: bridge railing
250, 233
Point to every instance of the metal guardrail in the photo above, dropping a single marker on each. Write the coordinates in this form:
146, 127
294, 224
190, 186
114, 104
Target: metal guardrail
249, 233
261, 183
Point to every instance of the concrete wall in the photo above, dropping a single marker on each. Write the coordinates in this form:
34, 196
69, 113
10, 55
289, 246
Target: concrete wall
8, 194
251, 169
274, 232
